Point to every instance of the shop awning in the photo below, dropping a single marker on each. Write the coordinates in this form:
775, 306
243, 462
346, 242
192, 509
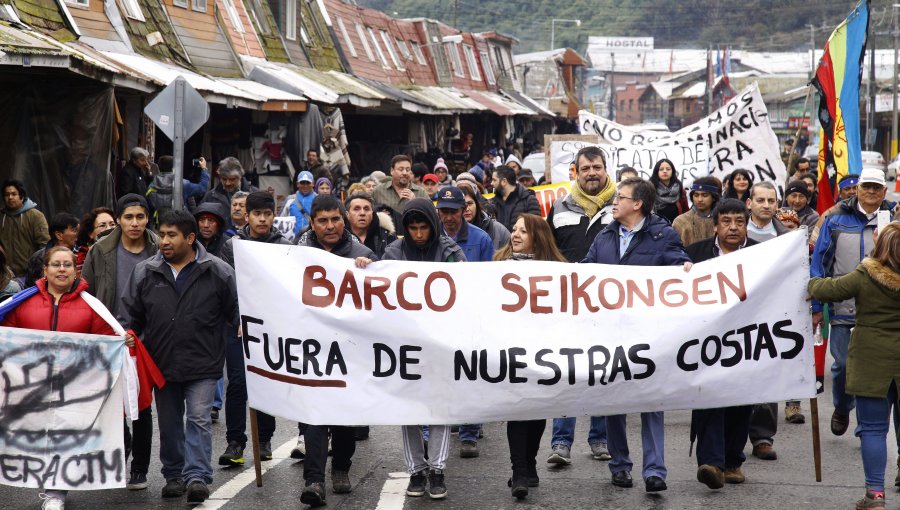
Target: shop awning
527, 102
322, 87
213, 90
442, 101
32, 49
500, 105
276, 100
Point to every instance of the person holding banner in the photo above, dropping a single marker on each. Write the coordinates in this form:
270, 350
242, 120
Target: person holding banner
671, 201
260, 217
422, 241
58, 306
328, 233
531, 240
722, 433
574, 221
637, 237
181, 302
872, 363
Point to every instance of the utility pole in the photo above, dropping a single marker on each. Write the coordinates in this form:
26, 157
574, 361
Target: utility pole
895, 35
709, 80
812, 49
870, 118
612, 88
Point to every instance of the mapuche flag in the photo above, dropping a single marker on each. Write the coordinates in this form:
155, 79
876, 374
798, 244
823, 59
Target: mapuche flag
837, 79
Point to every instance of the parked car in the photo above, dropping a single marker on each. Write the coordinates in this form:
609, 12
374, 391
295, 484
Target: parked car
872, 159
535, 163
892, 168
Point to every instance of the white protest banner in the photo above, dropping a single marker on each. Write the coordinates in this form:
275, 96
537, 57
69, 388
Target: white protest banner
413, 343
61, 413
562, 150
738, 135
285, 225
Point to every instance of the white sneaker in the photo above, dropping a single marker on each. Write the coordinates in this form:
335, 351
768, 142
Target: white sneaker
299, 451
52, 502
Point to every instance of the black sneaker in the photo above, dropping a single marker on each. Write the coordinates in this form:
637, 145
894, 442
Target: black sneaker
436, 487
197, 492
214, 415
313, 494
137, 481
265, 450
174, 488
233, 456
340, 482
417, 482
468, 450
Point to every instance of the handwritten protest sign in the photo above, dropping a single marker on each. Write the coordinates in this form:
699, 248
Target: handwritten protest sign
738, 135
410, 343
285, 225
61, 413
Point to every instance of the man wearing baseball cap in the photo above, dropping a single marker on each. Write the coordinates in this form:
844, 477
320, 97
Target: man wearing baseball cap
845, 238
431, 183
526, 178
299, 204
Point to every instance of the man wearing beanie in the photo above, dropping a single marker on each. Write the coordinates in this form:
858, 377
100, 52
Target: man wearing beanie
260, 216
107, 267
796, 196
697, 224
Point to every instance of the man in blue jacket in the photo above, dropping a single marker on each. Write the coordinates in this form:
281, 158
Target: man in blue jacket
475, 243
637, 237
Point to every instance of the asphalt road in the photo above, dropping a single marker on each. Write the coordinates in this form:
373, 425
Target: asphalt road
378, 468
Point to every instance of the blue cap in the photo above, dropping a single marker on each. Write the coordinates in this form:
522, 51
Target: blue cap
850, 180
305, 176
451, 197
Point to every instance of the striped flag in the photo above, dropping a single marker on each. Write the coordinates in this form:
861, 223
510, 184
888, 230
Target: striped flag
838, 79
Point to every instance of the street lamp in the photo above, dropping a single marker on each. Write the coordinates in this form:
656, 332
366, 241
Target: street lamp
553, 23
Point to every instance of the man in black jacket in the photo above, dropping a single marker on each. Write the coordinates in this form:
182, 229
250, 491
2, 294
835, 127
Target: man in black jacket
180, 303
212, 220
369, 226
722, 433
260, 217
511, 199
328, 233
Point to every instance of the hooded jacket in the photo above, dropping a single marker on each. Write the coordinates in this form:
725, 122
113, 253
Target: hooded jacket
348, 247
72, 314
874, 356
22, 233
439, 248
655, 244
184, 330
845, 238
520, 200
215, 245
380, 234
273, 237
100, 265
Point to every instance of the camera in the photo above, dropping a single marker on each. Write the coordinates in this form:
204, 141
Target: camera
196, 162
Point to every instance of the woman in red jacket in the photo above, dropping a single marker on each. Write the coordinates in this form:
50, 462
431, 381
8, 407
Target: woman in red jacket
58, 306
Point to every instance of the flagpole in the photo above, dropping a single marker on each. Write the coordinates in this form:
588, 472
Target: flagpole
790, 161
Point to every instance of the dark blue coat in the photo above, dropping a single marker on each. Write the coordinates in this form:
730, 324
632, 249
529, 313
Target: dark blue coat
655, 244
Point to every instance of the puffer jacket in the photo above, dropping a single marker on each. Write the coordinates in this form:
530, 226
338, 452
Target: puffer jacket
655, 244
72, 314
381, 233
184, 332
573, 231
845, 238
439, 249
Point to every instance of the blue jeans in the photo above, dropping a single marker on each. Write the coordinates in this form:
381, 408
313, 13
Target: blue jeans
873, 416
220, 393
653, 439
185, 447
469, 432
838, 343
564, 431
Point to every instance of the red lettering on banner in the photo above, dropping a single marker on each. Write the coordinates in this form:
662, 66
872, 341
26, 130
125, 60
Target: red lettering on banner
314, 278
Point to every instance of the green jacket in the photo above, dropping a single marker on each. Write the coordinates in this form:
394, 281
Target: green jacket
100, 265
873, 360
22, 233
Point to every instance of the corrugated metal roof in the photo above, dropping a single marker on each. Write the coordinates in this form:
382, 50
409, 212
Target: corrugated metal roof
327, 88
215, 91
446, 100
527, 102
258, 89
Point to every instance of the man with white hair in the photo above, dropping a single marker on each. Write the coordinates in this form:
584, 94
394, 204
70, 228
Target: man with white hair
135, 175
231, 180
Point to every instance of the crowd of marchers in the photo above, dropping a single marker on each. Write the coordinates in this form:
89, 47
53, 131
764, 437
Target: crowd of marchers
168, 277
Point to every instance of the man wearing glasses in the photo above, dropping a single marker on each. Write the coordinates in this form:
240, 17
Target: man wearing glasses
637, 237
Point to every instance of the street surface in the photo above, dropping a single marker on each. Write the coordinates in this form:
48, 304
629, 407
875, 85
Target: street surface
478, 483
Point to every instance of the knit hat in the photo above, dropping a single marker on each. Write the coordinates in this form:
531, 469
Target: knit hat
477, 172
130, 200
260, 201
321, 180
466, 176
796, 187
440, 164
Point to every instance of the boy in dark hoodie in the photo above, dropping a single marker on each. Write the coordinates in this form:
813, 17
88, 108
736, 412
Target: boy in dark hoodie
422, 241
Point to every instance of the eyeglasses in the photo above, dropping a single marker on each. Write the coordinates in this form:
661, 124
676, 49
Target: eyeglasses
57, 265
621, 197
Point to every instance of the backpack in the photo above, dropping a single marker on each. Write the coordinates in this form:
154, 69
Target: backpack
160, 194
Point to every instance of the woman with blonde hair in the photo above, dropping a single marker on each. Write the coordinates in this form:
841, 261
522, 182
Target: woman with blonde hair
873, 361
531, 239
